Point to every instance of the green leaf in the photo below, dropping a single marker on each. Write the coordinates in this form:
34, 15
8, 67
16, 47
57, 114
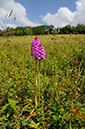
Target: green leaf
12, 103
70, 125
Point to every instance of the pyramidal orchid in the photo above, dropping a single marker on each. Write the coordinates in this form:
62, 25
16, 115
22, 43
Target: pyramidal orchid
37, 50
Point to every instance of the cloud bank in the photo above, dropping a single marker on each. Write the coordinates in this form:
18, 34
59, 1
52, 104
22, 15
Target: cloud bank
18, 11
64, 16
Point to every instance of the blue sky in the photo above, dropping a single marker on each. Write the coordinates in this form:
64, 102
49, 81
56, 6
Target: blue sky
46, 12
35, 8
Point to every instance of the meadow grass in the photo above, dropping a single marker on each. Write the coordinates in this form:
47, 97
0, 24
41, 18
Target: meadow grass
62, 82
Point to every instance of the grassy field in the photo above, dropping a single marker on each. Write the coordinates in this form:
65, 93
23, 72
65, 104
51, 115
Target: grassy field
59, 87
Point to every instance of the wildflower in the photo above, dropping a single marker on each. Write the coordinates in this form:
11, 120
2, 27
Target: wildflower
75, 62
37, 50
53, 34
72, 111
59, 84
75, 112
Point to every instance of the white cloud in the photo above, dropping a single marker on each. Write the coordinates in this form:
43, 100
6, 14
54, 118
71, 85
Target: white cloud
80, 12
60, 18
18, 11
64, 16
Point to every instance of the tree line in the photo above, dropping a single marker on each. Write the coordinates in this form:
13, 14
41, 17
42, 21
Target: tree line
79, 29
42, 30
20, 31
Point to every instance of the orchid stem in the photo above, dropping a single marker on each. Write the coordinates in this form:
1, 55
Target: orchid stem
39, 81
36, 103
37, 87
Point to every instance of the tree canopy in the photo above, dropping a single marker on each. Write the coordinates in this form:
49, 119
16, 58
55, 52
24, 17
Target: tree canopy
42, 30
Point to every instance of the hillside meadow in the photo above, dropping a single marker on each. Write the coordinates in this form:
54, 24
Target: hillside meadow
45, 94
